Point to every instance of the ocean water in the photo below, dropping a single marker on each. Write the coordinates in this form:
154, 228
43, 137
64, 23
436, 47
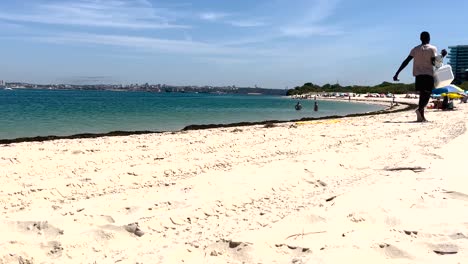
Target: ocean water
30, 113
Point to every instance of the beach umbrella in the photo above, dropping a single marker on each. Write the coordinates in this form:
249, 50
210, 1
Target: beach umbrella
448, 89
453, 95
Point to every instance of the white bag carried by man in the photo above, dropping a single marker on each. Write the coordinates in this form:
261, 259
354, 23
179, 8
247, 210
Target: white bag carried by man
443, 74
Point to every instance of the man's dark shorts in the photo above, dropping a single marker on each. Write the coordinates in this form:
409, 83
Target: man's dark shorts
424, 83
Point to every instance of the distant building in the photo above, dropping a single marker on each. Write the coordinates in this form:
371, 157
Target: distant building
458, 56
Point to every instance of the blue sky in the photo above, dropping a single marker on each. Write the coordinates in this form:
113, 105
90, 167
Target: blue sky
270, 43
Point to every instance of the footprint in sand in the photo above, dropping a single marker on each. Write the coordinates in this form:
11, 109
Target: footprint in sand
40, 228
298, 249
54, 249
131, 209
241, 251
457, 195
41, 233
22, 260
445, 249
106, 219
353, 217
457, 236
108, 231
13, 258
393, 252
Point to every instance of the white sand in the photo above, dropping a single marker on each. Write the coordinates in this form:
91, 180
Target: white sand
243, 195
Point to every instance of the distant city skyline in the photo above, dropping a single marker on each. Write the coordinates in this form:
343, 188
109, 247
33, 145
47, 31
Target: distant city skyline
272, 44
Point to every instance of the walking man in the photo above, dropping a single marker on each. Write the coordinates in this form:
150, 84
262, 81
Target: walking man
424, 58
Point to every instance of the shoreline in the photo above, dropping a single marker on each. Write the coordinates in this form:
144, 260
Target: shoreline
408, 106
399, 98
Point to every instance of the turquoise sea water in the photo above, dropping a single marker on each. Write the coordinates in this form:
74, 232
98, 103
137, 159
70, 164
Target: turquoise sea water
29, 113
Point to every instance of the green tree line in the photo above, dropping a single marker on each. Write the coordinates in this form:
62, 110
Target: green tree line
385, 87
464, 85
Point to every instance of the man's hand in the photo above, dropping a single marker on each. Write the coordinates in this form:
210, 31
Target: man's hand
403, 65
444, 53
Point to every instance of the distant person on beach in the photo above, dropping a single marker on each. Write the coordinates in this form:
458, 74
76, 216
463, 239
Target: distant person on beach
445, 103
316, 107
464, 99
438, 104
298, 106
424, 56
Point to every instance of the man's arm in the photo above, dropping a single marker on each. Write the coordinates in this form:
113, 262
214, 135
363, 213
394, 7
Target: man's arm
403, 66
443, 53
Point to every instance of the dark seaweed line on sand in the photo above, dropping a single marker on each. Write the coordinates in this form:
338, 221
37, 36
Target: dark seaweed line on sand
196, 127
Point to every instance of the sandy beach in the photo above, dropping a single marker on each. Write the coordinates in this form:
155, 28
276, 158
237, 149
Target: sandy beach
370, 189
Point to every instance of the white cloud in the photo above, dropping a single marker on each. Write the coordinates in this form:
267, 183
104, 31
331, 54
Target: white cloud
311, 22
154, 44
225, 60
300, 31
129, 14
213, 16
222, 16
244, 41
5, 25
247, 23
141, 14
319, 11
